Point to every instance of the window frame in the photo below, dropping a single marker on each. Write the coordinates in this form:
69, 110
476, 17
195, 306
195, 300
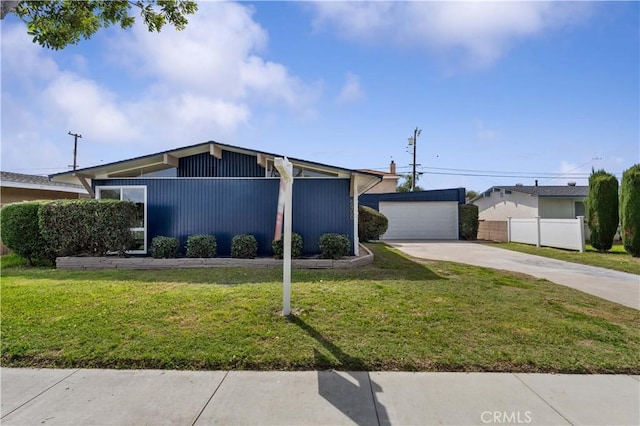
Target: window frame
121, 188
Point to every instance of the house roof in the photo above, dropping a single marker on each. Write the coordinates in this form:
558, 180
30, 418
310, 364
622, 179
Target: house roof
163, 160
379, 173
551, 191
20, 180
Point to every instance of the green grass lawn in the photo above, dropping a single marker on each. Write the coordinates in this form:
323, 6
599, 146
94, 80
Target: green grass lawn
395, 314
617, 258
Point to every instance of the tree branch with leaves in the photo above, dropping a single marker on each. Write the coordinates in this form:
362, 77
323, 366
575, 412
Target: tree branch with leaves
56, 24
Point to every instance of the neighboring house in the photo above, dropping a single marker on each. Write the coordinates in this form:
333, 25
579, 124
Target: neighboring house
498, 203
16, 187
419, 215
224, 190
389, 180
525, 202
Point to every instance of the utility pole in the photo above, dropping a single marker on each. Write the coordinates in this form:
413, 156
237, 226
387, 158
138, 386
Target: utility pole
416, 133
75, 148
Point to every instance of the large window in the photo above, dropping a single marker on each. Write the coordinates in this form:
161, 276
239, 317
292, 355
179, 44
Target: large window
137, 195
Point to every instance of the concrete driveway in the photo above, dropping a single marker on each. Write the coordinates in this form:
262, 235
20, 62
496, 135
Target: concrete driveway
619, 287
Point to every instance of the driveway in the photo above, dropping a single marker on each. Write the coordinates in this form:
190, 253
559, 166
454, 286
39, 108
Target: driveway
619, 287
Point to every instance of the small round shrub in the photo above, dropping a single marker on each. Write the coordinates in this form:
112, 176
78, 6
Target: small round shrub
334, 246
296, 246
165, 247
244, 246
21, 233
371, 224
201, 246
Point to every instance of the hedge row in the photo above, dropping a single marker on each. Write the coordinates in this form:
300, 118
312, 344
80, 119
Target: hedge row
630, 210
245, 246
48, 229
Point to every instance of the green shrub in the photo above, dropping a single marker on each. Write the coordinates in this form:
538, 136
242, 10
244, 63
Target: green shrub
371, 224
165, 247
87, 226
334, 246
201, 246
21, 233
602, 209
630, 210
244, 246
296, 246
468, 221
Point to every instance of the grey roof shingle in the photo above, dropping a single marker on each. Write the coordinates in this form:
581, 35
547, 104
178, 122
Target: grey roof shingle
550, 191
33, 180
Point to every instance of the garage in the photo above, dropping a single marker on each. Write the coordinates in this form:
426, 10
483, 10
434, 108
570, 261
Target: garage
418, 215
420, 220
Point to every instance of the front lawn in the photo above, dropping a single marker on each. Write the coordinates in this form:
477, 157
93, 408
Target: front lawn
617, 258
395, 314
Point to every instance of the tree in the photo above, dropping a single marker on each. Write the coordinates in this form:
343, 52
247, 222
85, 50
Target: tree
630, 210
406, 185
471, 194
602, 209
56, 24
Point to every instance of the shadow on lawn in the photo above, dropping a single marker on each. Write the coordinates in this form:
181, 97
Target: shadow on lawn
351, 392
388, 265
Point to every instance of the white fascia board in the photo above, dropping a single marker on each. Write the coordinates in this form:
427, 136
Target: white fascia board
40, 187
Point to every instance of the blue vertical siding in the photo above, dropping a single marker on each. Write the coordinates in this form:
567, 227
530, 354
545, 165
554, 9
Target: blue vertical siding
181, 207
232, 164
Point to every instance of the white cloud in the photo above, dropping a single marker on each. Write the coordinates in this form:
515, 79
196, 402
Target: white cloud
476, 33
351, 91
162, 90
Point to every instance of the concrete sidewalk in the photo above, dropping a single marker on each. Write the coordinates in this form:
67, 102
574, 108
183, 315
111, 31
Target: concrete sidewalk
619, 287
152, 397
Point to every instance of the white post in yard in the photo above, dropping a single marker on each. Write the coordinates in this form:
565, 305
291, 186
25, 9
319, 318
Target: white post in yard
580, 220
285, 168
509, 229
538, 238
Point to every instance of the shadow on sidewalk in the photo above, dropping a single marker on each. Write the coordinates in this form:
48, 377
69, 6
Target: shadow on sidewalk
348, 391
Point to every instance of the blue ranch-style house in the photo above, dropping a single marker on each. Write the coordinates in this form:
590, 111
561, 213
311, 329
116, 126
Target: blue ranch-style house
224, 190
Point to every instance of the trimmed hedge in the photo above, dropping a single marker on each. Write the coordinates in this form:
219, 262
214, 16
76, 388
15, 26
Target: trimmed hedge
468, 221
201, 246
296, 246
244, 246
630, 210
602, 209
87, 226
334, 246
165, 247
371, 224
21, 233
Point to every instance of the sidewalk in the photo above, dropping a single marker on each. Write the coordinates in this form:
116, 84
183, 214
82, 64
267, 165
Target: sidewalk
154, 397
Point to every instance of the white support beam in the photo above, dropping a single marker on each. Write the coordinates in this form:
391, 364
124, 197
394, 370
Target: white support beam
83, 180
215, 151
170, 160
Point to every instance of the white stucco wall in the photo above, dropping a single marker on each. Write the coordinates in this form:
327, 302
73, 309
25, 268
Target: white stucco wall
499, 206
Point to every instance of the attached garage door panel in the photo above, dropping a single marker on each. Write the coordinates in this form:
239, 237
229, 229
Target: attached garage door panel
426, 220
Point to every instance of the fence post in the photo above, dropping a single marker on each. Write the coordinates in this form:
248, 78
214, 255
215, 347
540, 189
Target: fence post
537, 231
508, 229
580, 220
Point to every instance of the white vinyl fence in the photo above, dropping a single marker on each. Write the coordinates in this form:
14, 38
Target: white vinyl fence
560, 233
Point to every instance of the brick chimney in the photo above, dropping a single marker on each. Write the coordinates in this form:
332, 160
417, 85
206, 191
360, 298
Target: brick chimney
392, 167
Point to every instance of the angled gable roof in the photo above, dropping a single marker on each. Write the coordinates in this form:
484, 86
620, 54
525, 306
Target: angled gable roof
163, 160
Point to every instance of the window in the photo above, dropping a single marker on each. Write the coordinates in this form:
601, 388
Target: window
137, 195
298, 172
579, 208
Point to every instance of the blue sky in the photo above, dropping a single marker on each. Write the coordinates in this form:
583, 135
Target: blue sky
504, 92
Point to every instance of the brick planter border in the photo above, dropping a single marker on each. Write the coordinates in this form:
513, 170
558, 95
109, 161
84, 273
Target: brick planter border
66, 263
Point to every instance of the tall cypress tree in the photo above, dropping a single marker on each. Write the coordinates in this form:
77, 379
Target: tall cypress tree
630, 210
602, 209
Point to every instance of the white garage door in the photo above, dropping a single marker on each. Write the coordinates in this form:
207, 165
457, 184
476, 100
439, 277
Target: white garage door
420, 220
